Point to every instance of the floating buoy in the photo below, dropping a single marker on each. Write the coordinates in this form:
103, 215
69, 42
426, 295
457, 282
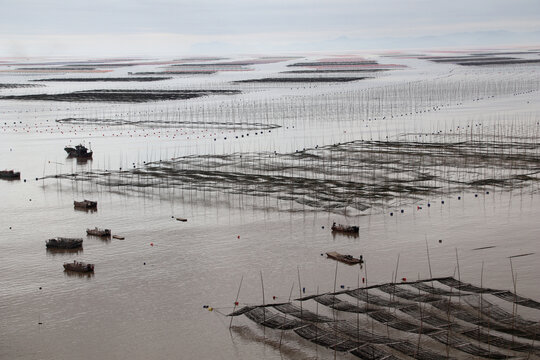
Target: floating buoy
440, 241
442, 202
459, 197
210, 309
363, 280
144, 263
475, 195
487, 192
274, 297
323, 226
304, 290
403, 279
391, 214
428, 204
205, 306
151, 244
402, 211
238, 236
343, 286
236, 302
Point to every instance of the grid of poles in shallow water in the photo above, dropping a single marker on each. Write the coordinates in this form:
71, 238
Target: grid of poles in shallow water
457, 315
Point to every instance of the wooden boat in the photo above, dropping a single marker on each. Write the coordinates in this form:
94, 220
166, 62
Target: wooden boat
98, 232
79, 266
118, 237
79, 151
64, 243
181, 219
347, 259
85, 204
10, 175
345, 228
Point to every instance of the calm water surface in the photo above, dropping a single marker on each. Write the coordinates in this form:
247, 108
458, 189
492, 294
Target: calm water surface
146, 298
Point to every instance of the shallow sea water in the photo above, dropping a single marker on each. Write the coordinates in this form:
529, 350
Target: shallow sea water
146, 297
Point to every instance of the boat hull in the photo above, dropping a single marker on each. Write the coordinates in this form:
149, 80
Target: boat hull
347, 259
79, 267
346, 229
63, 243
10, 175
98, 232
85, 204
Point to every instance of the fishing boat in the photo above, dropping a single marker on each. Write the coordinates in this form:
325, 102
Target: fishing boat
64, 243
85, 204
347, 259
345, 228
79, 266
79, 151
10, 175
118, 237
98, 232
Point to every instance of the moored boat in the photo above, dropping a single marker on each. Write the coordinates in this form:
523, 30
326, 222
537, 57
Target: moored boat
79, 151
64, 243
345, 228
10, 175
79, 266
98, 232
347, 259
85, 204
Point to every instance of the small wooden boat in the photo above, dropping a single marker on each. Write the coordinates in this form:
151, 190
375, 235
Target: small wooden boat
10, 175
347, 259
118, 237
98, 232
345, 228
79, 151
64, 243
85, 204
79, 266
181, 219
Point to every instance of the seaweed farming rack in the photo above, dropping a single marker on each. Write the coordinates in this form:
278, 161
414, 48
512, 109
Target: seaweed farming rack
426, 319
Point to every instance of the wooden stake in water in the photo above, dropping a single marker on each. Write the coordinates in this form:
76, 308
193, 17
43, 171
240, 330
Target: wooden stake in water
299, 290
459, 277
429, 264
285, 317
236, 300
262, 287
333, 306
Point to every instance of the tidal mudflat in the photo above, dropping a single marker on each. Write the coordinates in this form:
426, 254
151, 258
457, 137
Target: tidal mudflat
436, 160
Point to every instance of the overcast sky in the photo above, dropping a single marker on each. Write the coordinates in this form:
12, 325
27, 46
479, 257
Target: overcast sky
178, 27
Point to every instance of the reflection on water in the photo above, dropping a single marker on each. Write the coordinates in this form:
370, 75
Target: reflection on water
339, 234
280, 341
63, 252
86, 210
77, 274
79, 160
